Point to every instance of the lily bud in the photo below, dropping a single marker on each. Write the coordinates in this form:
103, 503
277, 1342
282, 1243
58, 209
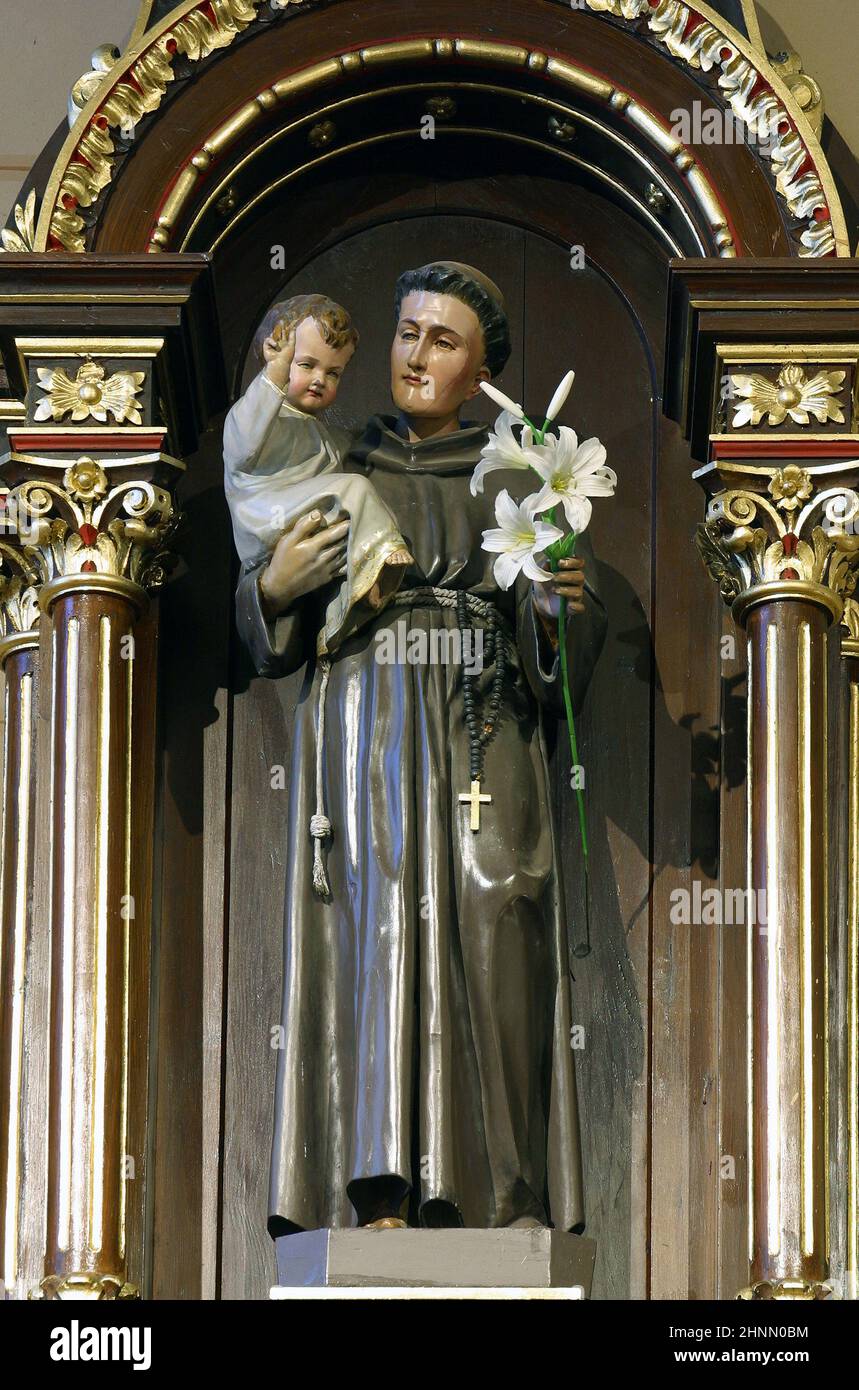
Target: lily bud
502, 400
556, 404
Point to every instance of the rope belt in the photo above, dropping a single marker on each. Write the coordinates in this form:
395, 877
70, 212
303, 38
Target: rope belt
449, 598
320, 825
427, 595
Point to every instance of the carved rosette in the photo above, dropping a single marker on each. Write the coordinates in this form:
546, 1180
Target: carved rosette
793, 394
793, 533
86, 525
92, 395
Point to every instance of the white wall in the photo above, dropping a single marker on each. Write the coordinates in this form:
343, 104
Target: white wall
46, 45
825, 33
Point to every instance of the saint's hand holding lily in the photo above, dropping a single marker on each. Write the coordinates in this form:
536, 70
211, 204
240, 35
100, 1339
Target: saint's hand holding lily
570, 474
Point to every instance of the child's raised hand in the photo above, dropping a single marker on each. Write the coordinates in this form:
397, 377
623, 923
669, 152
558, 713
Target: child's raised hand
278, 350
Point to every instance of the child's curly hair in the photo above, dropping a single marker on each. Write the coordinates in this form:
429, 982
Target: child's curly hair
332, 319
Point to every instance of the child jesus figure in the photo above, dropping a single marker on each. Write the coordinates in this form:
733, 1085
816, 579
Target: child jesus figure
306, 344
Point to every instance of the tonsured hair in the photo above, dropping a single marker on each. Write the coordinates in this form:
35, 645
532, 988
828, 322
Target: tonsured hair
436, 279
332, 320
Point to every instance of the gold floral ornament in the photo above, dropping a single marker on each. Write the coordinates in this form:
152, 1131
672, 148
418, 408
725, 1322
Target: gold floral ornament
19, 605
793, 394
621, 9
90, 396
85, 480
790, 486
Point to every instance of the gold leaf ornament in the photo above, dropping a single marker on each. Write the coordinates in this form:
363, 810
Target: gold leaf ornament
195, 36
25, 220
793, 393
90, 396
621, 9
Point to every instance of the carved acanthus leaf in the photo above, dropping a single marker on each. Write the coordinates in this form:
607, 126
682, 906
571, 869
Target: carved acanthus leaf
696, 41
89, 83
24, 237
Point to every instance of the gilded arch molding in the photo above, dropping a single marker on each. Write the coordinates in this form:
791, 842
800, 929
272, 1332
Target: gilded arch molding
197, 30
568, 77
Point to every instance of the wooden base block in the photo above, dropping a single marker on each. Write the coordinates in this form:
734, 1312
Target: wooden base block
502, 1259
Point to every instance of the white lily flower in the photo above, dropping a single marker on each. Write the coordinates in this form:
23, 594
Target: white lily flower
502, 450
502, 400
556, 404
573, 474
517, 539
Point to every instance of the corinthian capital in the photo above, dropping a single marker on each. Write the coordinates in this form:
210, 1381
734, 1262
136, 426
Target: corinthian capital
784, 526
107, 518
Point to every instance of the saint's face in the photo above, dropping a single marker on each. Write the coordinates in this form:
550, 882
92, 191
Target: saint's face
437, 356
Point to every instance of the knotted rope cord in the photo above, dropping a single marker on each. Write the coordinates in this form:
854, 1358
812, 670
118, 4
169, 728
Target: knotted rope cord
448, 598
320, 825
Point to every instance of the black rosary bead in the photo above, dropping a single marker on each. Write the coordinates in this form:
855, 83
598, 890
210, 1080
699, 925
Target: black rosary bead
482, 724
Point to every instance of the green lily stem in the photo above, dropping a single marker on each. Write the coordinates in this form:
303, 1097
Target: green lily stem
565, 674
571, 724
568, 706
539, 435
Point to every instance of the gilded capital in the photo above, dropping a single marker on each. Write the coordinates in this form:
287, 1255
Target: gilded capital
791, 529
90, 519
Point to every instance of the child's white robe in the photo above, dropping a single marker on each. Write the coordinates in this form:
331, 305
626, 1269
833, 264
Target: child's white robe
279, 464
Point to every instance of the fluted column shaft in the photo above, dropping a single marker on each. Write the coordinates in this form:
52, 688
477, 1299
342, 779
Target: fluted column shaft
19, 658
788, 878
91, 917
850, 651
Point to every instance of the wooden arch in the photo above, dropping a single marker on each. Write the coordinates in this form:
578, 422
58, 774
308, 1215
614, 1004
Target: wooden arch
223, 103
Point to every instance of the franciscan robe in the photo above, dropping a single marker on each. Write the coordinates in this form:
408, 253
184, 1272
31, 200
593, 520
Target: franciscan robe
427, 1003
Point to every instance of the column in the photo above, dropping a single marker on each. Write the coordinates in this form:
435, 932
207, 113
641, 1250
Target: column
762, 375
850, 662
19, 646
115, 364
95, 540
775, 543
92, 914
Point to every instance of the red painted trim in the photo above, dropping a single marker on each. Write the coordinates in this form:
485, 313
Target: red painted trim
776, 448
53, 443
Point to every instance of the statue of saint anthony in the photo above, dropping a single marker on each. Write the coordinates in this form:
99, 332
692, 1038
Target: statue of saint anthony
427, 1075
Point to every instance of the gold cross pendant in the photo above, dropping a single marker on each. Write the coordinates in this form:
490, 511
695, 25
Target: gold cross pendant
474, 798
